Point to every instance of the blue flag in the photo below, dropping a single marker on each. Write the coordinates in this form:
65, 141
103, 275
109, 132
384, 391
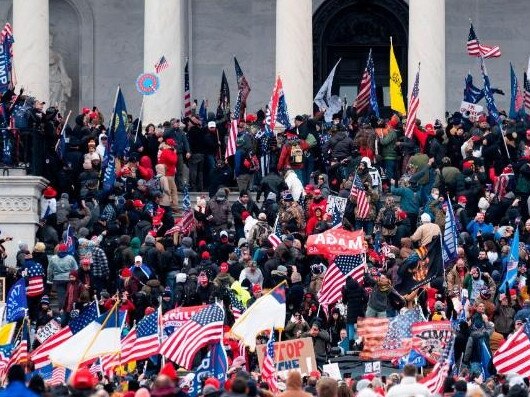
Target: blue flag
17, 303
282, 116
373, 94
6, 53
118, 127
69, 240
472, 94
511, 265
490, 101
414, 357
516, 101
109, 177
214, 365
449, 241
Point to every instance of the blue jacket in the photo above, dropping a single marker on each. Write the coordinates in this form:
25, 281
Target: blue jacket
474, 227
17, 389
409, 201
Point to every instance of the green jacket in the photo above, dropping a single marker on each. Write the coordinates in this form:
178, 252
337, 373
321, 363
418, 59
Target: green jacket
388, 145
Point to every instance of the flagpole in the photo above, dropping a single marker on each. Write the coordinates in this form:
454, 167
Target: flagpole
139, 118
107, 318
63, 129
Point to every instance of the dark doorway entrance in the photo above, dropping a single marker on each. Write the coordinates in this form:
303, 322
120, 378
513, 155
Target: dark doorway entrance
347, 29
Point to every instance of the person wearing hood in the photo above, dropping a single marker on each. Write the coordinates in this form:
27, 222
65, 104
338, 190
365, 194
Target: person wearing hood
145, 168
74, 289
63, 209
59, 270
475, 281
323, 186
481, 330
340, 145
270, 208
218, 211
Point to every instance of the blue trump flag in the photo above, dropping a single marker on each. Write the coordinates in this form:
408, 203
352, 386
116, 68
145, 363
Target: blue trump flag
17, 303
118, 126
488, 94
282, 115
449, 241
373, 94
214, 365
516, 100
511, 265
6, 54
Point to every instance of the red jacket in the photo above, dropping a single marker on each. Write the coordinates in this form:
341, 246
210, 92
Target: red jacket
145, 168
285, 155
169, 158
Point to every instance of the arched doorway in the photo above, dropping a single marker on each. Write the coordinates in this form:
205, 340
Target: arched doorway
347, 30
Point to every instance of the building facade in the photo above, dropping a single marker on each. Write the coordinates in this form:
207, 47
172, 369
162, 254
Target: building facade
96, 45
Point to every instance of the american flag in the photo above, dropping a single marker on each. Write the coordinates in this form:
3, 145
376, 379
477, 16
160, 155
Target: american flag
436, 379
475, 49
40, 356
243, 91
187, 94
184, 225
373, 331
35, 279
283, 113
414, 104
232, 138
268, 370
357, 191
274, 238
203, 328
58, 376
273, 105
342, 267
161, 65
366, 96
237, 305
20, 353
7, 32
95, 368
527, 90
400, 332
143, 341
109, 362
514, 354
5, 354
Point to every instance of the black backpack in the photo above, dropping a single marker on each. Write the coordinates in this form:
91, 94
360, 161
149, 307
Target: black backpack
389, 218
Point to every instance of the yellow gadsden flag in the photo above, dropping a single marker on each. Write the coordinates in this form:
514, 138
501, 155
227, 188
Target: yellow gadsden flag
6, 333
396, 96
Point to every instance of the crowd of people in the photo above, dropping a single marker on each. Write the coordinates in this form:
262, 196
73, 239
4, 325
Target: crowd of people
126, 246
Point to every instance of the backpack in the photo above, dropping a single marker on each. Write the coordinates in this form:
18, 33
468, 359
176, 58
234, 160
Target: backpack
262, 232
389, 218
154, 185
297, 155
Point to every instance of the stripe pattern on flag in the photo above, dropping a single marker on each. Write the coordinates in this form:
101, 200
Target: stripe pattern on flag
268, 370
373, 331
436, 379
161, 65
274, 238
232, 137
341, 268
414, 104
475, 49
514, 354
357, 191
143, 341
187, 93
203, 328
58, 376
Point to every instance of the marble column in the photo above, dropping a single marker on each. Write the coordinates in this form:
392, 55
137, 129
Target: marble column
427, 45
294, 53
31, 50
162, 36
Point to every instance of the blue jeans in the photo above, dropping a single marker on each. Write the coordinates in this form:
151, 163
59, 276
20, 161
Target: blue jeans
309, 167
171, 283
374, 313
390, 168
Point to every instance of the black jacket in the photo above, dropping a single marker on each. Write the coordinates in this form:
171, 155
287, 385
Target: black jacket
354, 296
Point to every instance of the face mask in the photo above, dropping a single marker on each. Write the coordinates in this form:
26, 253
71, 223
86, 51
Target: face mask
435, 196
492, 256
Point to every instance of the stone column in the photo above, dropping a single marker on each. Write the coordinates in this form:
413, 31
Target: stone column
32, 46
294, 54
427, 45
19, 210
162, 36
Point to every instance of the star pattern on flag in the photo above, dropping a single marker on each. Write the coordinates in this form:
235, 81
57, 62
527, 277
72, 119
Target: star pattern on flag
283, 114
86, 317
148, 325
346, 263
401, 327
209, 315
35, 270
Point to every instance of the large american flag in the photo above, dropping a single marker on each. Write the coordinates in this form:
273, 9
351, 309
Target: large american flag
203, 328
184, 225
366, 95
35, 279
373, 331
357, 191
436, 379
400, 331
40, 356
342, 267
475, 49
237, 306
20, 353
187, 93
514, 354
274, 238
5, 354
143, 341
268, 370
414, 104
232, 138
161, 65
